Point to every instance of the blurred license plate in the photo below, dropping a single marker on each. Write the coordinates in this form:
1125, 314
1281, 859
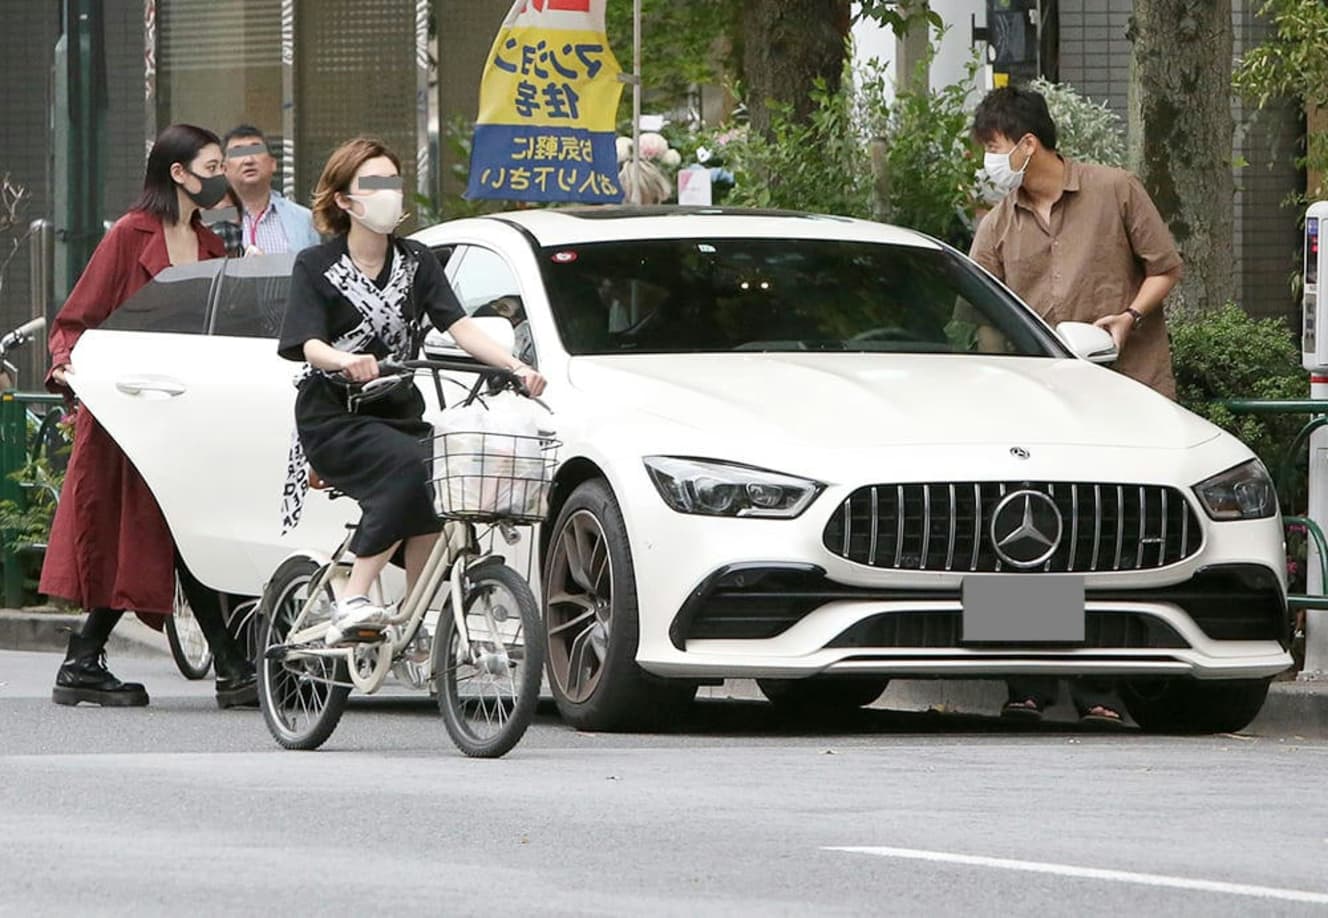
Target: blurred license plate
1023, 608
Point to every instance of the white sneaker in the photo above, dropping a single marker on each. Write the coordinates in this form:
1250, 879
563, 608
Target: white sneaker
356, 619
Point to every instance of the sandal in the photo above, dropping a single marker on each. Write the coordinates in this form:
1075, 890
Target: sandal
1099, 715
1025, 711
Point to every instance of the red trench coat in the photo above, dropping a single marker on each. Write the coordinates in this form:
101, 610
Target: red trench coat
110, 546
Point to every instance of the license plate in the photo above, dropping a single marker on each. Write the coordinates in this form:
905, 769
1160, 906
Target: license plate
1023, 609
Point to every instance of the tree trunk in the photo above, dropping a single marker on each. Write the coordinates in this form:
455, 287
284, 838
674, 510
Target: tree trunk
1181, 135
786, 45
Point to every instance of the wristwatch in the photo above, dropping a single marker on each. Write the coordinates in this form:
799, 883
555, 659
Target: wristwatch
1138, 316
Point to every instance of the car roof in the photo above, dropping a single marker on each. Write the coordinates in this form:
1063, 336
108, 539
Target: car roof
567, 225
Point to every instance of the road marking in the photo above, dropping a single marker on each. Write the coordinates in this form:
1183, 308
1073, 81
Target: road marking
1094, 873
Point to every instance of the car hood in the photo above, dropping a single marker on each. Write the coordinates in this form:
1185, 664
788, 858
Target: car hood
874, 400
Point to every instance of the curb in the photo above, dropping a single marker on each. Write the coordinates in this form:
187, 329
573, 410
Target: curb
47, 630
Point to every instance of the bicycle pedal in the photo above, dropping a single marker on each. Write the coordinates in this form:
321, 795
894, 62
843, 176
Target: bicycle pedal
362, 636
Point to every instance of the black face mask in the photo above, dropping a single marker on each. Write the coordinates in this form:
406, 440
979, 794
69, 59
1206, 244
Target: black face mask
213, 190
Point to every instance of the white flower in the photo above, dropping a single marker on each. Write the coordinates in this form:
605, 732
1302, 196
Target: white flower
653, 145
671, 158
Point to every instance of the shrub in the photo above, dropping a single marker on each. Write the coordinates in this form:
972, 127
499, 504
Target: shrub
1226, 354
824, 164
1085, 130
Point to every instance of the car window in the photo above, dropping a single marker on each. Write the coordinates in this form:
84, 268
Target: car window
174, 301
780, 295
481, 277
486, 286
252, 300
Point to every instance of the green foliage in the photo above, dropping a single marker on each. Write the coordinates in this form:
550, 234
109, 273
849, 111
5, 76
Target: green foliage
682, 42
1292, 64
1226, 354
900, 15
824, 164
930, 163
820, 164
1085, 130
27, 522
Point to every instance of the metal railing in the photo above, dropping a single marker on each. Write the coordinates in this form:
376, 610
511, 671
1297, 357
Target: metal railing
1317, 410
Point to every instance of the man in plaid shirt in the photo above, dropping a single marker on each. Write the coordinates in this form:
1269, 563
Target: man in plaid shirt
265, 222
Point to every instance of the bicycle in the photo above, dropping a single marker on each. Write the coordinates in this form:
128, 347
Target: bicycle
487, 655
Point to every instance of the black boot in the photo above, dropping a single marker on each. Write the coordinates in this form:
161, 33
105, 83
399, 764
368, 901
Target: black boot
237, 682
84, 676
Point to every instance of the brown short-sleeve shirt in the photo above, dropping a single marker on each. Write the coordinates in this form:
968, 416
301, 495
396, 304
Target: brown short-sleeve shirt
1105, 236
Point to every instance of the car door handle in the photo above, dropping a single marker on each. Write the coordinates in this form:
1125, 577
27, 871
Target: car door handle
137, 385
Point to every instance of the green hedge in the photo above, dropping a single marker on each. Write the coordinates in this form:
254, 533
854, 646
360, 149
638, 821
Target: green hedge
1226, 354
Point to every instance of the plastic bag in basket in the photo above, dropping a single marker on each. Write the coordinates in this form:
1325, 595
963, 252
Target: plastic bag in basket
489, 461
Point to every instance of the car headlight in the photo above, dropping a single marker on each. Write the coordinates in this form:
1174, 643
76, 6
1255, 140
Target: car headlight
1243, 493
713, 488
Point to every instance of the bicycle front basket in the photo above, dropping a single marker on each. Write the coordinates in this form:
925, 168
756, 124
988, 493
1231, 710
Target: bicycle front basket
487, 476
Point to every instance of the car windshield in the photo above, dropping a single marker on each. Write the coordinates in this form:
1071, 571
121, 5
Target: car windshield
733, 294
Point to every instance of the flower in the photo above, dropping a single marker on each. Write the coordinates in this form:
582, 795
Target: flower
624, 145
653, 145
671, 158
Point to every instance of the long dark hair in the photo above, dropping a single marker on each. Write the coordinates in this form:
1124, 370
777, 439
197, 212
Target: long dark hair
179, 143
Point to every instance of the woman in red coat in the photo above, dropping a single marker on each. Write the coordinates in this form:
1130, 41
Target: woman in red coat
110, 548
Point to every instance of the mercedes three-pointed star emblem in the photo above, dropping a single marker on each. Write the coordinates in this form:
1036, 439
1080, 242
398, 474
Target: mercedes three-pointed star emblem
1026, 529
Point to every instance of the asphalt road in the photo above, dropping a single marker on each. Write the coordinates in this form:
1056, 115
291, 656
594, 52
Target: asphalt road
181, 808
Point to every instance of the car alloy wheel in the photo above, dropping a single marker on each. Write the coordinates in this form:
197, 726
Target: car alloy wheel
580, 606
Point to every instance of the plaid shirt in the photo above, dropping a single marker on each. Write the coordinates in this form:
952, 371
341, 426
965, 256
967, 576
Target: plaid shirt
265, 230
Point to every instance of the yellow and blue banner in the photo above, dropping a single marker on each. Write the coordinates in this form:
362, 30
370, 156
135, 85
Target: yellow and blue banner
548, 106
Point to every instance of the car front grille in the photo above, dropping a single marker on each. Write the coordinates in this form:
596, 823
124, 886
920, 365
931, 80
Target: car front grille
942, 629
946, 527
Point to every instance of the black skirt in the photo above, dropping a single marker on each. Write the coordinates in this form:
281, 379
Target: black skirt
379, 456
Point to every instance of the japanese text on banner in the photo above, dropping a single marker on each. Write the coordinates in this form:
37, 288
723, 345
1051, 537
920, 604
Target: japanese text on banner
548, 101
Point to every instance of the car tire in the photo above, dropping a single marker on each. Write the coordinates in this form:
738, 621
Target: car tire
824, 693
591, 625
1193, 705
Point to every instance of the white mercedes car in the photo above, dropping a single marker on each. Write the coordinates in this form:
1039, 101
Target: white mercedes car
785, 456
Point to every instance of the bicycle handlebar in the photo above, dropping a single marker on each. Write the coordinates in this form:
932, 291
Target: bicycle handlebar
22, 335
505, 378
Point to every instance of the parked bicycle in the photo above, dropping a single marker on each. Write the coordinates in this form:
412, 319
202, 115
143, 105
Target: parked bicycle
486, 654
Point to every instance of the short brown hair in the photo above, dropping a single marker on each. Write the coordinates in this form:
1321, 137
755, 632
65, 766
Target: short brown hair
345, 161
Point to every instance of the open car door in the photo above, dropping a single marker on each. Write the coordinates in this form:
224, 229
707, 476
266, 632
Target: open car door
185, 377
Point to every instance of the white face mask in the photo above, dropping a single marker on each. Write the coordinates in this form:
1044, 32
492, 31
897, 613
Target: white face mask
1001, 173
382, 210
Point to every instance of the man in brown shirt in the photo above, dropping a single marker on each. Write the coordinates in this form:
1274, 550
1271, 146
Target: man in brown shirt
1078, 243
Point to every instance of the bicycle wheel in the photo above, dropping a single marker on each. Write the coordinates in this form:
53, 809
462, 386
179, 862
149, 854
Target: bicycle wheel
300, 704
487, 698
189, 648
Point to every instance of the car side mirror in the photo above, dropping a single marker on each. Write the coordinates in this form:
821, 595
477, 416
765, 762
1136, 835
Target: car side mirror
440, 346
1088, 341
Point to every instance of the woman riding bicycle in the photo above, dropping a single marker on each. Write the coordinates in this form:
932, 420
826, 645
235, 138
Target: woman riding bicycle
354, 301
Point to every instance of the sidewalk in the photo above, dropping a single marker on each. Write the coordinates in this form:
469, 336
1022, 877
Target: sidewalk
1293, 709
47, 629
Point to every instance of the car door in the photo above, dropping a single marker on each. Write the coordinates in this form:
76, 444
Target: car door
187, 381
